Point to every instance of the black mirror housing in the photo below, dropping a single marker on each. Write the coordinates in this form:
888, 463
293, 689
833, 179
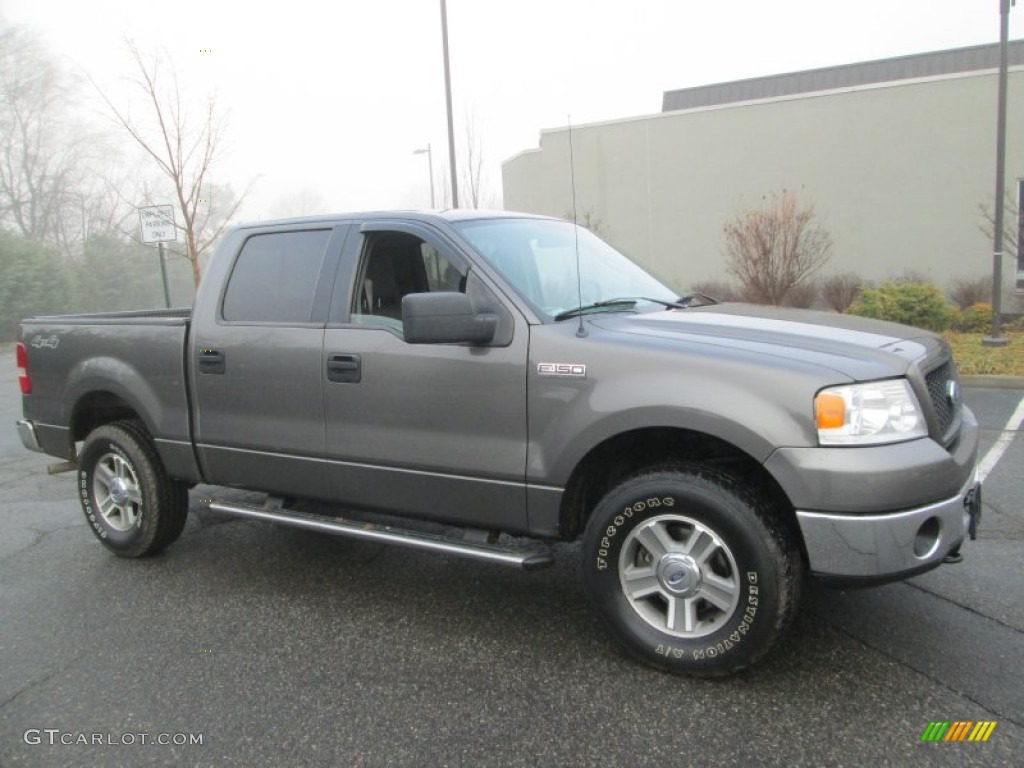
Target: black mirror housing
445, 318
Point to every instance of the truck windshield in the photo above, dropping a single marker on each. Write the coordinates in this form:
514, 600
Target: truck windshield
538, 257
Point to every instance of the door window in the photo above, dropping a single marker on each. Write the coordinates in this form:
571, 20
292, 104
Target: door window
274, 278
396, 264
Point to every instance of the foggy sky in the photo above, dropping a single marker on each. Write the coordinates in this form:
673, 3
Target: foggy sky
328, 101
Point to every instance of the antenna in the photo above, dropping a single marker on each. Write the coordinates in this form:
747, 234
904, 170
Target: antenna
580, 330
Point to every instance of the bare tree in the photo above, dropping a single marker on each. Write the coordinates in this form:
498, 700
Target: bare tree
1012, 225
472, 165
841, 290
967, 291
41, 147
774, 248
474, 185
183, 147
803, 295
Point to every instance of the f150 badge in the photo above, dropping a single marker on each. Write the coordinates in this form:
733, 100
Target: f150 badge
562, 370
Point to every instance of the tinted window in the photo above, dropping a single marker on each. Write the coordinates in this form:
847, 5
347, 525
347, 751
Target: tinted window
395, 265
275, 277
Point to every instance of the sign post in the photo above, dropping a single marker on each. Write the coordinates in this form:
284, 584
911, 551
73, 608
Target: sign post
157, 223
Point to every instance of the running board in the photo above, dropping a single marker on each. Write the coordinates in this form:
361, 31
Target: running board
529, 558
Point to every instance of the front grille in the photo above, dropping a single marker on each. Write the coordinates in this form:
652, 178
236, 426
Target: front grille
946, 404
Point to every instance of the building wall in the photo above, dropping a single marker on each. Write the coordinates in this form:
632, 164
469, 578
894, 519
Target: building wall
896, 173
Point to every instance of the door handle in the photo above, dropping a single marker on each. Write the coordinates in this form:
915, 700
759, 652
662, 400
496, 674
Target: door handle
212, 361
345, 369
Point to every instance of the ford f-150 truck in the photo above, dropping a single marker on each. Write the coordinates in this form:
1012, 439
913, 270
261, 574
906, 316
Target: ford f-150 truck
513, 374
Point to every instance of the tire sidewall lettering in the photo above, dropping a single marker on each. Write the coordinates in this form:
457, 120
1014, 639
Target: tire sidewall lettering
87, 463
630, 515
740, 635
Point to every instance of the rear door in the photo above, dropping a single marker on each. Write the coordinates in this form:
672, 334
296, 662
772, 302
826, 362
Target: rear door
431, 430
257, 369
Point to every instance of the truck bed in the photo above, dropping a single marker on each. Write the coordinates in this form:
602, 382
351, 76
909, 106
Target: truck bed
109, 363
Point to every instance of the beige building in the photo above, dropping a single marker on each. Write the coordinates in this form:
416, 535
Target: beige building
897, 157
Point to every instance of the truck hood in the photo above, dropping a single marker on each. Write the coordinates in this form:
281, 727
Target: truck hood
857, 347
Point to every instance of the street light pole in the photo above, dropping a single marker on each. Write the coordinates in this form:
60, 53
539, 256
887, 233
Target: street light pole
995, 337
430, 165
448, 96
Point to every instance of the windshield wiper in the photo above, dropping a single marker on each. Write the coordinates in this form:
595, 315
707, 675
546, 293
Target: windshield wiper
627, 302
688, 299
597, 305
684, 302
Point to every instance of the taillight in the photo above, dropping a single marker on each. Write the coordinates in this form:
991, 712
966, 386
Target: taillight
23, 378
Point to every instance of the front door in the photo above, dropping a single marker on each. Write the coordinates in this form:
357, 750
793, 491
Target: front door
434, 430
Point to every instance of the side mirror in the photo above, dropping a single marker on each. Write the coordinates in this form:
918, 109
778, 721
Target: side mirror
445, 318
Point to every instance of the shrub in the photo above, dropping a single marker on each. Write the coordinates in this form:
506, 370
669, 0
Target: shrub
969, 291
840, 291
976, 318
919, 304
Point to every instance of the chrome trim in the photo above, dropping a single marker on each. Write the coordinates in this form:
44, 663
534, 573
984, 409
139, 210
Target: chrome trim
538, 487
873, 546
529, 558
169, 441
27, 433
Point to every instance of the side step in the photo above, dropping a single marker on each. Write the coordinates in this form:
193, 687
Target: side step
529, 558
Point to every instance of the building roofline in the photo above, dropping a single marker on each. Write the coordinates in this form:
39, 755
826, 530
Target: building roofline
882, 71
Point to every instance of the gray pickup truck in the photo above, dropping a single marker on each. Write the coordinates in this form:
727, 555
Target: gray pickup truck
448, 378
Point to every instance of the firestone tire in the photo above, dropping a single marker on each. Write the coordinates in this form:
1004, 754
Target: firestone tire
692, 573
130, 503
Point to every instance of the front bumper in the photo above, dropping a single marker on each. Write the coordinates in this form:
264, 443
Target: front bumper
880, 548
877, 479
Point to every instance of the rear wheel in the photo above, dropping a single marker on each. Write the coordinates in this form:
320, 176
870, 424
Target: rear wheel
131, 504
692, 572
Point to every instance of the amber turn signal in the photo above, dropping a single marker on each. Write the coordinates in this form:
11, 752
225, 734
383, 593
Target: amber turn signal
829, 410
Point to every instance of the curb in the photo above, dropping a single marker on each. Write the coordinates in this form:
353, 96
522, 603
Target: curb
992, 381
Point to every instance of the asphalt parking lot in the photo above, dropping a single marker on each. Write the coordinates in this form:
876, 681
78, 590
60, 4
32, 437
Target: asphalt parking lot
280, 647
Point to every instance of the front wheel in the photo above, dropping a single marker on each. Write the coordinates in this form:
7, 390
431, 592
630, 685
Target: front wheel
131, 504
692, 572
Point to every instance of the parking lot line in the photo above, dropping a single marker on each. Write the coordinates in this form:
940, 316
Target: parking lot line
1003, 442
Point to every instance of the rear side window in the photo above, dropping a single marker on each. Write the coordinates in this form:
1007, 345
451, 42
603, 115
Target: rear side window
275, 276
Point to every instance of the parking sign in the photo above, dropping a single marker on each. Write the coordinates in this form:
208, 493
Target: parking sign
157, 222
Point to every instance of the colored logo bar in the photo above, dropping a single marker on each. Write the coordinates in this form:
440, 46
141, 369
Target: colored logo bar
958, 730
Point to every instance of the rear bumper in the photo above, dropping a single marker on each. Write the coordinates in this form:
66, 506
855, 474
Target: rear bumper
873, 549
46, 438
27, 433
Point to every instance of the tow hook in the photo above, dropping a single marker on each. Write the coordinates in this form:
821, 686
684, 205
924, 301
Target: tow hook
972, 503
972, 506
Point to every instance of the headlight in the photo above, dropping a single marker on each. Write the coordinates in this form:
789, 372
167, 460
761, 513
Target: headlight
869, 414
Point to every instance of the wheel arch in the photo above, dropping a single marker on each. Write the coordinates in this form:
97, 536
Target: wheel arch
101, 390
97, 408
629, 452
